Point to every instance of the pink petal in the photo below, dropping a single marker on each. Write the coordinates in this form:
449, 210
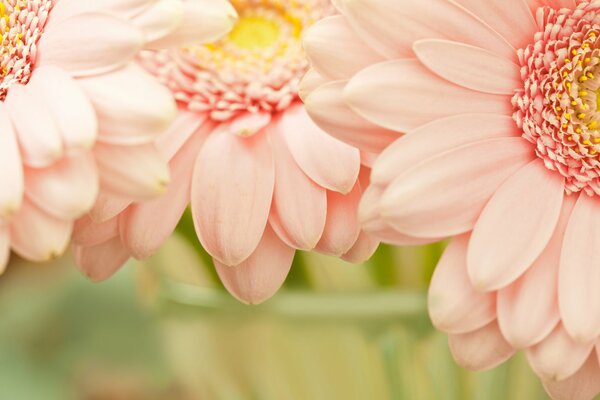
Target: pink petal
232, 190
102, 261
132, 107
310, 82
146, 226
185, 125
4, 248
391, 26
299, 207
469, 66
482, 349
89, 44
454, 304
529, 203
579, 277
584, 385
11, 173
528, 309
71, 109
137, 172
121, 8
558, 356
88, 233
437, 137
365, 246
428, 200
39, 137
108, 206
327, 161
328, 109
248, 124
342, 228
68, 189
398, 95
261, 275
334, 49
557, 4
160, 19
37, 236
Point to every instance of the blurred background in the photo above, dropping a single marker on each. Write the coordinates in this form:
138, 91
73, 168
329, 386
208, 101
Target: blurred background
165, 329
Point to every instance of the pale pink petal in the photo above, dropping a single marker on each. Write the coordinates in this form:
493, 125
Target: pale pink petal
517, 26
334, 49
398, 95
146, 226
327, 161
454, 304
299, 209
311, 80
88, 233
89, 44
4, 248
328, 110
261, 275
138, 172
558, 356
557, 4
529, 203
444, 195
181, 130
437, 137
37, 236
160, 19
232, 191
203, 21
579, 277
584, 385
11, 173
469, 66
70, 108
248, 124
121, 8
365, 246
482, 349
102, 261
108, 205
132, 106
342, 228
38, 136
528, 309
68, 189
391, 26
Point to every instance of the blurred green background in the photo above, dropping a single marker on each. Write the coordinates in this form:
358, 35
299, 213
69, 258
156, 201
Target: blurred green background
165, 330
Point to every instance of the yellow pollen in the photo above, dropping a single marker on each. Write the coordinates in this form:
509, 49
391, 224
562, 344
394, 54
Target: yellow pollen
253, 32
581, 116
593, 125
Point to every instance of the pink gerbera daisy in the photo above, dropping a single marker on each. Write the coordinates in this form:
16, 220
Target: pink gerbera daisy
499, 100
67, 86
263, 180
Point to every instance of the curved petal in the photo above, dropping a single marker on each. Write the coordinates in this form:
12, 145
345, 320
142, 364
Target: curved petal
437, 137
4, 248
102, 261
70, 108
108, 205
299, 209
444, 195
527, 205
260, 276
311, 80
68, 189
398, 95
558, 356
482, 349
584, 385
328, 109
122, 8
334, 49
454, 304
89, 44
232, 189
469, 66
365, 246
88, 233
37, 236
11, 173
579, 277
327, 161
160, 19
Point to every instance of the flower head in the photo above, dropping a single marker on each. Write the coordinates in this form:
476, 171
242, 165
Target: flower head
498, 103
70, 96
262, 179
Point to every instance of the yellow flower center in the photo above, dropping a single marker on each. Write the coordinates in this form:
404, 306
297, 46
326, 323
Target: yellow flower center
255, 32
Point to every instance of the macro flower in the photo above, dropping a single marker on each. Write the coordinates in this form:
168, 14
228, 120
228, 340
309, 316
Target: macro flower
498, 104
262, 179
76, 113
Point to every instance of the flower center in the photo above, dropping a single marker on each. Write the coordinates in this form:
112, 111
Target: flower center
22, 23
256, 68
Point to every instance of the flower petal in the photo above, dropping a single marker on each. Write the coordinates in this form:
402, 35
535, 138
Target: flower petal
88, 233
102, 261
4, 248
584, 385
11, 173
365, 246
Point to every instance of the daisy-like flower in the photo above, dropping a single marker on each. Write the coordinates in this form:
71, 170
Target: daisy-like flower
499, 103
74, 107
262, 179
